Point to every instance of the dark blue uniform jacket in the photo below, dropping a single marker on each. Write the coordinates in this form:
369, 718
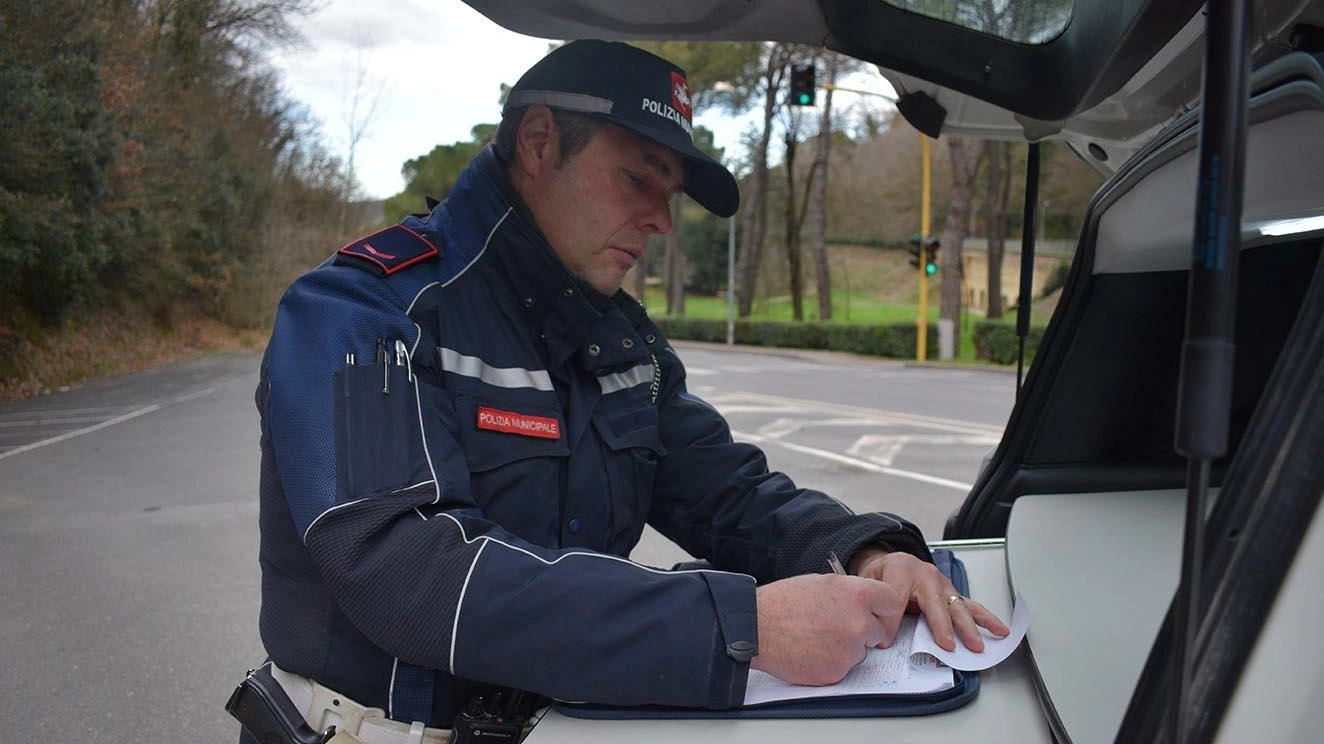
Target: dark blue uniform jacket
470, 509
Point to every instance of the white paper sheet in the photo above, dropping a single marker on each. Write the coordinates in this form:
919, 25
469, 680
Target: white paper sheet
995, 649
883, 671
910, 665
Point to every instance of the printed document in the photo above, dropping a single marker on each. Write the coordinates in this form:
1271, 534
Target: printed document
913, 665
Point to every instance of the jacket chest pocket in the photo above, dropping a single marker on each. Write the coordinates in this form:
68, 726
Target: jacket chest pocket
633, 447
515, 450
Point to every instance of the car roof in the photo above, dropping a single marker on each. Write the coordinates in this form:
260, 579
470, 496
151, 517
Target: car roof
1104, 75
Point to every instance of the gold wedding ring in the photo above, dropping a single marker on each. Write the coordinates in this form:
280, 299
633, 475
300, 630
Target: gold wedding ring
952, 599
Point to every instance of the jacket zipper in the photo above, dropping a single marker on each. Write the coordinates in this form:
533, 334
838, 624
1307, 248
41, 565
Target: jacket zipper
657, 380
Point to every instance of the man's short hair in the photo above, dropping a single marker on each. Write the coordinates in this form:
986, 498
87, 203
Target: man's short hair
575, 130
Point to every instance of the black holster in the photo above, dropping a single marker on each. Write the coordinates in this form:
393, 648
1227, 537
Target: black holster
261, 706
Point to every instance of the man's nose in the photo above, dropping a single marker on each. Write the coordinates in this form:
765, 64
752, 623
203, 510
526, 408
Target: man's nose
655, 216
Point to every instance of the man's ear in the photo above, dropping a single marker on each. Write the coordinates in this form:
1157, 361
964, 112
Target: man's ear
536, 141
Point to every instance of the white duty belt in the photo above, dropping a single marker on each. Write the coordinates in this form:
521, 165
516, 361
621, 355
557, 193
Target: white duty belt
323, 707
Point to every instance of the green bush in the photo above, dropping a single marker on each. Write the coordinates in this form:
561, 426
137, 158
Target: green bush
997, 342
704, 242
896, 340
994, 341
1056, 279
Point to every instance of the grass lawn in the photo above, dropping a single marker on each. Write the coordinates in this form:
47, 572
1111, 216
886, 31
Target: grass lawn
870, 287
856, 309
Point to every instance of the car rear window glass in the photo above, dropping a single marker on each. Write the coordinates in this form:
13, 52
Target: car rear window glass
1023, 21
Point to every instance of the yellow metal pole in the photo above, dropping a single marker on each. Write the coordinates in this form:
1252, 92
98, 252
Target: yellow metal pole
922, 325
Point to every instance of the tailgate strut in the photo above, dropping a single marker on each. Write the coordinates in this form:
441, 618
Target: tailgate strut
1204, 392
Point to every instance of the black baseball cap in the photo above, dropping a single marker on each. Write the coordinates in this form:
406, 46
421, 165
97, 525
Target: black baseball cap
634, 89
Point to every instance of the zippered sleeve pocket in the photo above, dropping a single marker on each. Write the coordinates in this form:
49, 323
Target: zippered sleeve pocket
378, 445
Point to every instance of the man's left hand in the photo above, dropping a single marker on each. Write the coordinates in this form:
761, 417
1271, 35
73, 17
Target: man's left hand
931, 593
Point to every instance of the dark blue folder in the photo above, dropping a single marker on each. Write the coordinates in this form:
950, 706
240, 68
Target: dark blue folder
866, 706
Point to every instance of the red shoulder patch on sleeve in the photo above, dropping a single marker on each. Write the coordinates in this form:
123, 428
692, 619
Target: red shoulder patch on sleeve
388, 251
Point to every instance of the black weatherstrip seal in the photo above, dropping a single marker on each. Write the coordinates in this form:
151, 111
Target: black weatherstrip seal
1271, 496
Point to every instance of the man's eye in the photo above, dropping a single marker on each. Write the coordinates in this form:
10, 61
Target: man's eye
634, 178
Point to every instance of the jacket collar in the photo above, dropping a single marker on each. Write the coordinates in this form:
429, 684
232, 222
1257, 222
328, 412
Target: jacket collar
575, 319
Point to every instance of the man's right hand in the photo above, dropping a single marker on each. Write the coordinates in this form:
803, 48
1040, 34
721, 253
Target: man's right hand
814, 628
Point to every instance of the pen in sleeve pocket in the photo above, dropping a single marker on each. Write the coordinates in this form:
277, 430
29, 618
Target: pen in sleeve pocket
386, 368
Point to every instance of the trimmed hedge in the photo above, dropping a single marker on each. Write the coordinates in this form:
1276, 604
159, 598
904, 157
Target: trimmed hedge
896, 340
996, 342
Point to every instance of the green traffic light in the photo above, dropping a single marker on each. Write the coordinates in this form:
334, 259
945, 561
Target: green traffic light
804, 99
930, 269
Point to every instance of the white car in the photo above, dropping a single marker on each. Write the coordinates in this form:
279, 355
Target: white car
1082, 507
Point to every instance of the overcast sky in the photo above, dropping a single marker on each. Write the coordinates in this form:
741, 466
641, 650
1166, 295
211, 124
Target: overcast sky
438, 66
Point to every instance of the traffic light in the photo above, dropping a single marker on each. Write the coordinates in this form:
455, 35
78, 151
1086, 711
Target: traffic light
802, 84
929, 253
931, 247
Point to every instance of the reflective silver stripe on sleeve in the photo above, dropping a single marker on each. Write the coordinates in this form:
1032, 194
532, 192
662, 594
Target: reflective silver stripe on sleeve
640, 375
506, 377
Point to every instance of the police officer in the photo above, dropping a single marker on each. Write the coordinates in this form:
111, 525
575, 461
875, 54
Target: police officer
466, 425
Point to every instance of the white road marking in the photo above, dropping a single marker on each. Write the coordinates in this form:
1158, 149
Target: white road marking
779, 428
856, 462
729, 408
99, 411
80, 432
871, 452
119, 419
759, 403
783, 426
883, 448
44, 421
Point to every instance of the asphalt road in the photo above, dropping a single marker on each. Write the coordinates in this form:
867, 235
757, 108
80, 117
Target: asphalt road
128, 517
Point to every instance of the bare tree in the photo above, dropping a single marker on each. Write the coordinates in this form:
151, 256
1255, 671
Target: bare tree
792, 224
675, 264
255, 23
818, 207
724, 75
995, 220
639, 279
966, 157
795, 208
363, 97
754, 224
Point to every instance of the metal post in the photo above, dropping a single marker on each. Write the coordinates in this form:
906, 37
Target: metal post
922, 324
731, 281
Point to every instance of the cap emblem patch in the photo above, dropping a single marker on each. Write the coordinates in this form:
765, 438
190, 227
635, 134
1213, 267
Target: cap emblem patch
681, 108
680, 96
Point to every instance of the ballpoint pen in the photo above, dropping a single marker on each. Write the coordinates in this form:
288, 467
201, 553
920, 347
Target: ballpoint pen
835, 563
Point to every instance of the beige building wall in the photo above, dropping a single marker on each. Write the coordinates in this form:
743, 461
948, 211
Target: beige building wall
974, 257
